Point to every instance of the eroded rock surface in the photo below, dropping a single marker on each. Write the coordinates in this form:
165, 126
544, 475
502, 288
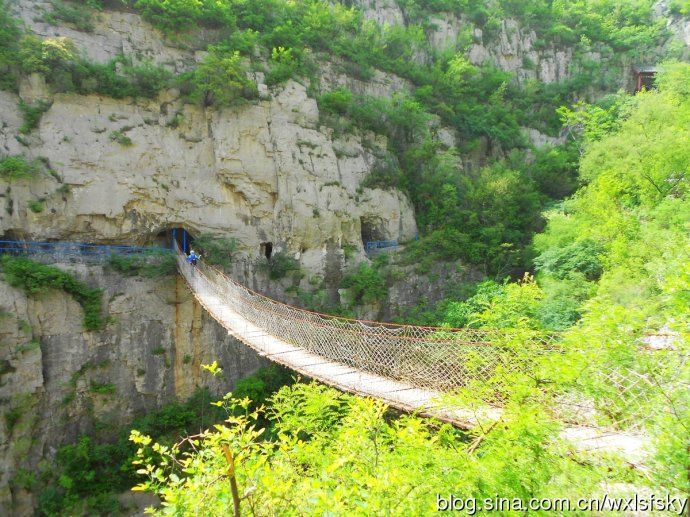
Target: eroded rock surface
150, 352
264, 172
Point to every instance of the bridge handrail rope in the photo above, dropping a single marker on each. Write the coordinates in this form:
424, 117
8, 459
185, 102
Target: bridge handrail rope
368, 323
435, 358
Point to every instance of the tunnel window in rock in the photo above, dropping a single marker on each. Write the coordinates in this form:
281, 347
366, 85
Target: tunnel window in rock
267, 249
372, 230
183, 238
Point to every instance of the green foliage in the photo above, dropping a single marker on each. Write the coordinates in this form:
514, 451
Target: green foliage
104, 388
513, 305
65, 71
122, 139
147, 79
334, 453
590, 123
10, 34
679, 7
25, 479
175, 122
12, 417
283, 65
614, 259
280, 264
36, 206
220, 80
366, 284
48, 56
32, 114
179, 15
17, 167
579, 257
262, 384
336, 101
151, 265
217, 251
79, 16
170, 15
34, 278
90, 474
484, 219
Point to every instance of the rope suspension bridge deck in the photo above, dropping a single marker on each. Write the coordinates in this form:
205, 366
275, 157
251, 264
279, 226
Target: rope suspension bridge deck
405, 366
408, 367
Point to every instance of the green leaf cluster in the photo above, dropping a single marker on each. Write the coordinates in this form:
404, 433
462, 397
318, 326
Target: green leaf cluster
88, 475
220, 80
217, 251
17, 167
153, 265
366, 284
279, 265
343, 455
35, 278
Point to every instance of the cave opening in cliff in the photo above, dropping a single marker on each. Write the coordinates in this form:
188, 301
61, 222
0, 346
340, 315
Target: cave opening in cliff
267, 249
183, 238
371, 230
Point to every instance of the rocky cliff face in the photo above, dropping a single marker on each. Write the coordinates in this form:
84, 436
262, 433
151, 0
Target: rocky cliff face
150, 353
515, 48
264, 172
259, 173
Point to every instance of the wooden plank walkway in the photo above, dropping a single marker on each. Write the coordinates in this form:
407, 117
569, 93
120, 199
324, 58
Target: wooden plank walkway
396, 394
400, 395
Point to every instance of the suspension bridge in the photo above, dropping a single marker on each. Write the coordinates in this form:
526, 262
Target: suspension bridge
410, 368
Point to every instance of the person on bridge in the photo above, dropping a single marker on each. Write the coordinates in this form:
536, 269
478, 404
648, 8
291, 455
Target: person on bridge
193, 257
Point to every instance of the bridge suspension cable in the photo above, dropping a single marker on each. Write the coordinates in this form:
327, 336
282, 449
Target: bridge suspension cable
384, 358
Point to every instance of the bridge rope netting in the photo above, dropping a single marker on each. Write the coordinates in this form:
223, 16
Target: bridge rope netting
617, 381
434, 358
432, 361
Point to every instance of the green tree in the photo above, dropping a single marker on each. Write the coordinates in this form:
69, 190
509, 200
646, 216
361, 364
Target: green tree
339, 454
221, 80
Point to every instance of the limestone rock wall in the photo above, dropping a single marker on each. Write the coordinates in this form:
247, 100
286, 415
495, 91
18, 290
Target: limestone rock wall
114, 33
517, 49
150, 351
265, 172
513, 48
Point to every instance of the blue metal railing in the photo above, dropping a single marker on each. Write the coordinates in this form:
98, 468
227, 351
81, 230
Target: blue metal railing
375, 245
76, 249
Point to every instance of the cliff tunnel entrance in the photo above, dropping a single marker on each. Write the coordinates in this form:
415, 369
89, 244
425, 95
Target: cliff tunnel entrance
266, 249
183, 238
372, 230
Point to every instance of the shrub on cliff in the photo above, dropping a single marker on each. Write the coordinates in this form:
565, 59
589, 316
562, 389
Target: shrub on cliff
217, 251
154, 265
366, 284
10, 34
35, 278
17, 167
219, 80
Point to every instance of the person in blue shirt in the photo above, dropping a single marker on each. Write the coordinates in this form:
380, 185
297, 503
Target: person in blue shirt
193, 257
